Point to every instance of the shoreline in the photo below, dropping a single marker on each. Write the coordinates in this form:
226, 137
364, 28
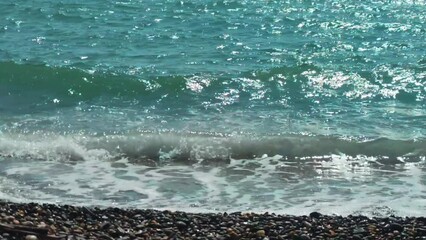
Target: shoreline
48, 221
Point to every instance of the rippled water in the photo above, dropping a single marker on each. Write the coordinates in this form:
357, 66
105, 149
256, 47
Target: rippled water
206, 105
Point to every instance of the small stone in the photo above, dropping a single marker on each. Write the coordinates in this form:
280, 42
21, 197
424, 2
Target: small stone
421, 231
105, 225
371, 227
307, 224
261, 233
16, 222
356, 237
68, 224
359, 231
303, 237
169, 232
422, 220
233, 235
121, 230
28, 223
181, 225
42, 225
112, 232
396, 227
210, 236
155, 224
65, 229
31, 237
315, 215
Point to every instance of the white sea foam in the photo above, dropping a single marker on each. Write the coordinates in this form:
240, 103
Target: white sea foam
83, 171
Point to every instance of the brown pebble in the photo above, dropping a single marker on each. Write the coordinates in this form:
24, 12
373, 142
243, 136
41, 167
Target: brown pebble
261, 233
232, 233
42, 225
53, 228
154, 223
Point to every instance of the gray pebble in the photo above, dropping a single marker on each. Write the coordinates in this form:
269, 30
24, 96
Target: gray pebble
31, 237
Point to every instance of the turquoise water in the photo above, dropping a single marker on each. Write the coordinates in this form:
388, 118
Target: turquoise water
215, 105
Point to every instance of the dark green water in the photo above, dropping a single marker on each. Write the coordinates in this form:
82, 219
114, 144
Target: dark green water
202, 85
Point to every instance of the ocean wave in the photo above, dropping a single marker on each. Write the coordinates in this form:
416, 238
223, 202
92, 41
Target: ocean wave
207, 149
27, 86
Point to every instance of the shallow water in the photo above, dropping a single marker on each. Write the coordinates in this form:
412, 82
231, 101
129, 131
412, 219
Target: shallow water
206, 105
218, 173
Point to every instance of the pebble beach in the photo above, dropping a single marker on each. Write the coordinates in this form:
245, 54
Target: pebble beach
46, 221
212, 119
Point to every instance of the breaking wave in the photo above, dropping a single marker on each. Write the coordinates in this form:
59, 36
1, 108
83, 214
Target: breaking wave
206, 149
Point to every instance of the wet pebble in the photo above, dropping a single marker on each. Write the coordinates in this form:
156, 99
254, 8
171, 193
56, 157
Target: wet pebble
315, 215
181, 225
115, 223
31, 237
396, 227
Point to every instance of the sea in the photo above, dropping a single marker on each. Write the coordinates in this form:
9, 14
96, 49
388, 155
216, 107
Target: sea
284, 106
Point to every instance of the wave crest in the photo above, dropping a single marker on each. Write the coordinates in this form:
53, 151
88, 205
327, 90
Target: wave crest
168, 148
